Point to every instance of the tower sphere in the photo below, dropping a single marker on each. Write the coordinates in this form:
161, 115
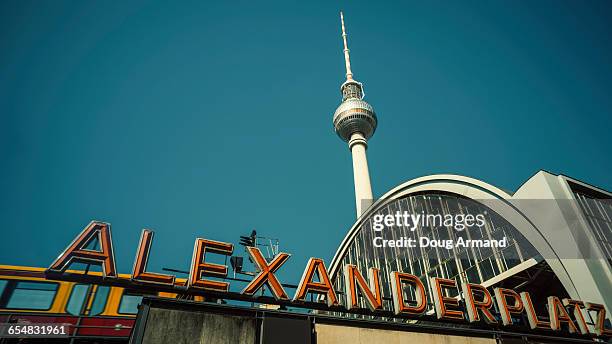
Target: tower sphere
354, 115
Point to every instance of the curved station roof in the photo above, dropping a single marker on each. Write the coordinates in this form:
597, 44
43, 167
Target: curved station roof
547, 223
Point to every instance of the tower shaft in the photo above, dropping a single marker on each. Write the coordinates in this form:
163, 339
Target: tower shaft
361, 173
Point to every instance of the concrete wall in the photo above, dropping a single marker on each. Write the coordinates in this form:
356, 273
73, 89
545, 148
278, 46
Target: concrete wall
184, 327
333, 334
568, 233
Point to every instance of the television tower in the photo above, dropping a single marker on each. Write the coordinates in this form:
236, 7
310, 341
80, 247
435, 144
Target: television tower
355, 122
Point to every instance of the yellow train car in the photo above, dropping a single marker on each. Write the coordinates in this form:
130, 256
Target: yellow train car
103, 313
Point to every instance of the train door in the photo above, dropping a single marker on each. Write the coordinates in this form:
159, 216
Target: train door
87, 299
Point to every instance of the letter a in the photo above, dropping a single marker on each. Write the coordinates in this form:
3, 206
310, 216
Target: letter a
76, 251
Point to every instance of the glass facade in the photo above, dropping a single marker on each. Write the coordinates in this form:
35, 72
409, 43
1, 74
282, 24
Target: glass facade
597, 209
464, 264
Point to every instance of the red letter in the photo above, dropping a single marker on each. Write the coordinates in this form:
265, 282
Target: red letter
534, 320
505, 309
473, 306
399, 305
440, 301
354, 279
266, 274
76, 251
200, 268
139, 273
307, 285
558, 315
600, 328
578, 305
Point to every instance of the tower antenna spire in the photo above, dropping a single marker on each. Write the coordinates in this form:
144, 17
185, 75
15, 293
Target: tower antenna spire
347, 58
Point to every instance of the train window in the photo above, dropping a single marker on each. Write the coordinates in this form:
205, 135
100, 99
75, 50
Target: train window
99, 301
77, 299
129, 304
3, 284
32, 295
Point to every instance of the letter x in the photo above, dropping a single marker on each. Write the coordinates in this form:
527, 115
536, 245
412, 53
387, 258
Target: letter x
266, 274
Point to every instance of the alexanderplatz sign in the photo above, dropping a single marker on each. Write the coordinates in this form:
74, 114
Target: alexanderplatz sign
563, 314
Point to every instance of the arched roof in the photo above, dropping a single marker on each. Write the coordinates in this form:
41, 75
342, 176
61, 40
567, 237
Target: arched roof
495, 198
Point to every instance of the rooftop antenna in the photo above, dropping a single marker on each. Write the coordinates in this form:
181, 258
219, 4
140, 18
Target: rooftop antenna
347, 58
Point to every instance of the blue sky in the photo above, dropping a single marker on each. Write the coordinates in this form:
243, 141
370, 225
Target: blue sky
200, 119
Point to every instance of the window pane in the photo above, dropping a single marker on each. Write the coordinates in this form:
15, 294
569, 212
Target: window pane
129, 304
33, 295
77, 298
3, 284
99, 300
